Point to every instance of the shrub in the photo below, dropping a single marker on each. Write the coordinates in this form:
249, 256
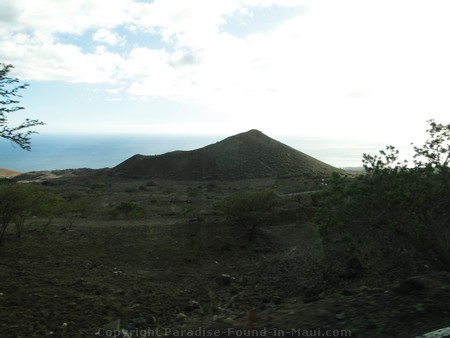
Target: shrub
246, 210
395, 207
128, 209
17, 203
68, 207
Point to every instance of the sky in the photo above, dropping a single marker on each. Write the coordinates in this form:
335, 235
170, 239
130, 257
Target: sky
365, 70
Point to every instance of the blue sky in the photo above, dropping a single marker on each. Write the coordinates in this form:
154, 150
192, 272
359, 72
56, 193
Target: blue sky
367, 70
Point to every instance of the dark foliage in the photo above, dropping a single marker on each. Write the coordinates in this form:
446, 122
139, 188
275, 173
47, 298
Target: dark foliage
9, 94
396, 209
246, 210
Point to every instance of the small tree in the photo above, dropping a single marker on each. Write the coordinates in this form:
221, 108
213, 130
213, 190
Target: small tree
248, 209
27, 199
50, 206
128, 209
9, 94
16, 204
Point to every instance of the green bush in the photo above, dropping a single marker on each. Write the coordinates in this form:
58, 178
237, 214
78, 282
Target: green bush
69, 208
18, 202
128, 209
396, 207
21, 202
246, 210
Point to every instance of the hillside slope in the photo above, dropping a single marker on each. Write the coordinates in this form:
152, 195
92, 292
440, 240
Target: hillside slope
247, 155
8, 173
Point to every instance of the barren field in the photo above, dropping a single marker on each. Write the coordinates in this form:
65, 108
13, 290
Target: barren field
176, 265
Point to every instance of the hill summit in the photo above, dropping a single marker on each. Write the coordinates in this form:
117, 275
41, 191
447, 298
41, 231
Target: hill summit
247, 155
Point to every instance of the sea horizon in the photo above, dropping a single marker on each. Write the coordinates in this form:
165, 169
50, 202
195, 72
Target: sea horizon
58, 151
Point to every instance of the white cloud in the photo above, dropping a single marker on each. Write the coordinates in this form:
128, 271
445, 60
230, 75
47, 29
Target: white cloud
174, 17
106, 36
308, 68
152, 74
307, 71
287, 3
66, 16
8, 12
62, 62
31, 39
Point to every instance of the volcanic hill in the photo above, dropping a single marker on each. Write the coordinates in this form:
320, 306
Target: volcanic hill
247, 155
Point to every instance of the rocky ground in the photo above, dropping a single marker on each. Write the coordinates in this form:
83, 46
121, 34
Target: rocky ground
178, 268
165, 277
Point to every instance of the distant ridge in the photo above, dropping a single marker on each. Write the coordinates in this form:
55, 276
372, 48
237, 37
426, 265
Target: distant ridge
247, 155
8, 173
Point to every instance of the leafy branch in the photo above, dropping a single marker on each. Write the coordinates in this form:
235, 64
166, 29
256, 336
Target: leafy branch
9, 94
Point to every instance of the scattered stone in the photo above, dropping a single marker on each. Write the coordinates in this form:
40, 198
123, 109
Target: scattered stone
225, 279
276, 300
230, 321
116, 271
181, 317
340, 316
441, 333
222, 310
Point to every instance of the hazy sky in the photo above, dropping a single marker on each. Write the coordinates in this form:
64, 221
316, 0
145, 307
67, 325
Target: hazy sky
365, 69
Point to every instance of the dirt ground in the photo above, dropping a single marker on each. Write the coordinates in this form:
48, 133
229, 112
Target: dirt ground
170, 273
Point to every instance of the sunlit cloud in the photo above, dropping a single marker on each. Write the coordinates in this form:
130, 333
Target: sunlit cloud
282, 65
108, 37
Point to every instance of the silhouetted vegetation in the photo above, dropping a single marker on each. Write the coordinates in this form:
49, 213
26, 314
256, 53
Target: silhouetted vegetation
23, 205
13, 205
126, 209
9, 92
246, 210
397, 209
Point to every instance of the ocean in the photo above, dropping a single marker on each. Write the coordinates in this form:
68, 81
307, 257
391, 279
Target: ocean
54, 151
